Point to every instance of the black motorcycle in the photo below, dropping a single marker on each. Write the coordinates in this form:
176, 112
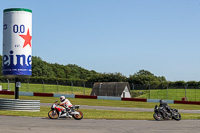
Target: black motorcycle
161, 113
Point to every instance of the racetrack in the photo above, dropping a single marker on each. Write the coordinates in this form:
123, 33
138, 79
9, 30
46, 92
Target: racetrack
17, 124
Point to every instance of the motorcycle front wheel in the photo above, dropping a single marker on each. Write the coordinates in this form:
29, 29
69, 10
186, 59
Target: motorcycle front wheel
53, 114
158, 116
177, 117
78, 116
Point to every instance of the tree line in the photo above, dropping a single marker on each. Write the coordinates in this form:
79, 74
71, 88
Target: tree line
49, 72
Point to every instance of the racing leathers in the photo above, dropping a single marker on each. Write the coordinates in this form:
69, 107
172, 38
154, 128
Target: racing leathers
66, 104
165, 106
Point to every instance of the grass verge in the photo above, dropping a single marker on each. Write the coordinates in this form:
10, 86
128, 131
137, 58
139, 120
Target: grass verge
99, 114
100, 102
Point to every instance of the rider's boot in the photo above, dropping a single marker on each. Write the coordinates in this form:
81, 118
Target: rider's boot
59, 114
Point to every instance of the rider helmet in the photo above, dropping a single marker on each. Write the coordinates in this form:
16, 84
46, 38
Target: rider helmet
161, 101
62, 98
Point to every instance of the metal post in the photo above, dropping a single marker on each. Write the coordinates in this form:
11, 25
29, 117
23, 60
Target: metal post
167, 91
57, 86
149, 92
16, 88
100, 89
84, 87
8, 84
28, 87
72, 86
43, 85
195, 94
185, 91
133, 90
116, 94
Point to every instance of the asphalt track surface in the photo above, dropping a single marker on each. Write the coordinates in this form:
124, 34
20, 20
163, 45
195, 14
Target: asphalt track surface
17, 124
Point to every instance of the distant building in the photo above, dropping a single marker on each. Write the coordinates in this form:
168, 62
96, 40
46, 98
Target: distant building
118, 89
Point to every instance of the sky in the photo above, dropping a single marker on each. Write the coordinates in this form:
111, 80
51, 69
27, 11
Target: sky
123, 36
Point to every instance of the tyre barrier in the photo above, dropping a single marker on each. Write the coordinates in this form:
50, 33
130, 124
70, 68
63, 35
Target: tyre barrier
19, 105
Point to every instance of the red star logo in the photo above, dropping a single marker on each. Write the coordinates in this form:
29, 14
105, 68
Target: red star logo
27, 39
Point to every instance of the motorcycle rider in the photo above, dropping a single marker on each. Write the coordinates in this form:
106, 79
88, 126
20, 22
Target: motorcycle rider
66, 104
165, 106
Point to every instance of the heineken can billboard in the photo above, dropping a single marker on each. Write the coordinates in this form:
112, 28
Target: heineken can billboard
17, 43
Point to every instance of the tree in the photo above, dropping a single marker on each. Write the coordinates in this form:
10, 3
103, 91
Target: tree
145, 77
108, 77
192, 83
41, 68
179, 83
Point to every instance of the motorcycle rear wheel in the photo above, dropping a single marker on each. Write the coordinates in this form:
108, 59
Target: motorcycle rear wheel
78, 117
158, 116
53, 114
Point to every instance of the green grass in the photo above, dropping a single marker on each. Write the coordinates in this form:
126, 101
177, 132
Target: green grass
170, 94
42, 113
100, 102
99, 114
47, 88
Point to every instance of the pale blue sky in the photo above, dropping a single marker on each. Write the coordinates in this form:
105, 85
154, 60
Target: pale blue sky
161, 36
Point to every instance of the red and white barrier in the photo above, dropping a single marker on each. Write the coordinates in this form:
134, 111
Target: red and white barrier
97, 97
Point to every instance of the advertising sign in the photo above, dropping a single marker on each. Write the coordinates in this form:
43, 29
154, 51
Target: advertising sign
17, 43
